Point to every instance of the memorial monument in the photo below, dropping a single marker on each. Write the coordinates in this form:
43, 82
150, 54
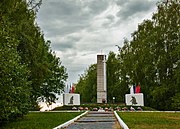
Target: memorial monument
101, 79
71, 99
135, 98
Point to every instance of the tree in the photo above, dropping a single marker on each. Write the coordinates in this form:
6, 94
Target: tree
151, 58
87, 85
14, 84
55, 80
27, 62
114, 87
35, 52
166, 26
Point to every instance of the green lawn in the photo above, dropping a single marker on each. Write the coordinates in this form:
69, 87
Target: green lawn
151, 120
41, 120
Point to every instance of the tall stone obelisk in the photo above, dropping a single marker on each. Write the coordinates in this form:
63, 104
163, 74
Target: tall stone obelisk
101, 79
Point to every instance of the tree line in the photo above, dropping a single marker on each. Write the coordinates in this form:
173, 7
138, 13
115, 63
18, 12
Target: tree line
151, 58
29, 69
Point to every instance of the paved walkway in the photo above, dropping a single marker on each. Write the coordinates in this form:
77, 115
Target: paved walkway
95, 120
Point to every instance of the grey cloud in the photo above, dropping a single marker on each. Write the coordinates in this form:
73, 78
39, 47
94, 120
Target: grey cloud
106, 24
64, 30
61, 8
62, 46
71, 15
98, 6
68, 43
74, 38
133, 7
73, 10
110, 20
110, 17
94, 45
79, 29
56, 29
121, 2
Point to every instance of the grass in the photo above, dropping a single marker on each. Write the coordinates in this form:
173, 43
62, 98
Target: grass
151, 120
41, 120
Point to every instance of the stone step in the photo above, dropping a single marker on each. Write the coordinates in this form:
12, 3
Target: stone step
99, 115
97, 119
96, 112
92, 125
92, 121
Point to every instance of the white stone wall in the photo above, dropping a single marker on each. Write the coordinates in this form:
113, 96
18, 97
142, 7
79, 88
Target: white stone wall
139, 98
71, 99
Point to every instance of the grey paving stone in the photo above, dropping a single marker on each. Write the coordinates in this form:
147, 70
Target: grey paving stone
97, 119
96, 112
99, 115
92, 125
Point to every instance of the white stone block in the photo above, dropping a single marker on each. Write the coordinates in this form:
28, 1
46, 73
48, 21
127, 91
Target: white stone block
71, 99
135, 99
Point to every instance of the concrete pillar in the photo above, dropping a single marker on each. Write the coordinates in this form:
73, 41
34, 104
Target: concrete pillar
101, 79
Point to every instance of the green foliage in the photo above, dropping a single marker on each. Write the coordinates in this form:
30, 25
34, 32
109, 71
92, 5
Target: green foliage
87, 85
176, 102
14, 84
115, 87
55, 79
28, 67
151, 58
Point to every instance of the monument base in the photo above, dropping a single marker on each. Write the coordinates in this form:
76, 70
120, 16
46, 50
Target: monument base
101, 97
71, 99
135, 99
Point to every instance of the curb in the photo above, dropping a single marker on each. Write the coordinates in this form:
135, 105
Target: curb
121, 122
163, 111
58, 111
70, 121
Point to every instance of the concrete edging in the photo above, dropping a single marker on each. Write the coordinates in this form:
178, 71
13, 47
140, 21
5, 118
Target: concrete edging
121, 122
163, 111
70, 121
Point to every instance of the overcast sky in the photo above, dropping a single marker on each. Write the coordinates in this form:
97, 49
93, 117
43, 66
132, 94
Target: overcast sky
81, 29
